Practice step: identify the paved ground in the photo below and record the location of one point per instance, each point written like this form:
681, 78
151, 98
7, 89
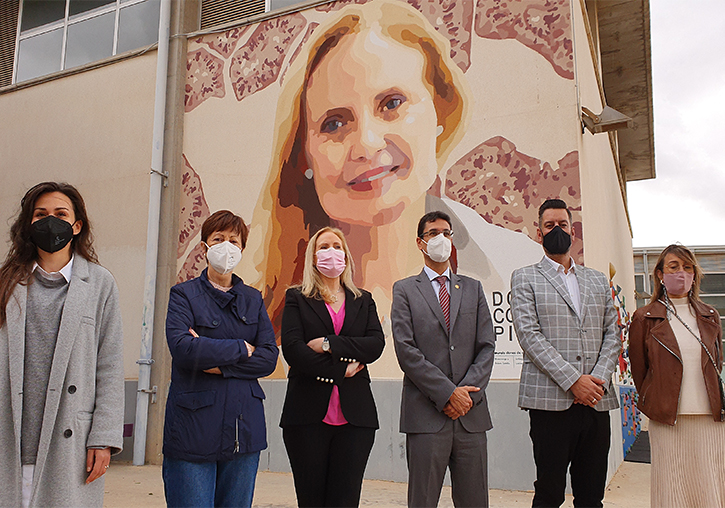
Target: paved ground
141, 486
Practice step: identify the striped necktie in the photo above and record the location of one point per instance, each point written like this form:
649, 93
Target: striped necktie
445, 299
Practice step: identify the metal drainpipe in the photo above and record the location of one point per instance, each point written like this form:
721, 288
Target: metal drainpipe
152, 240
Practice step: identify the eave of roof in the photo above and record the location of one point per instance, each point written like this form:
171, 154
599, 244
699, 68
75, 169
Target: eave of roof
626, 63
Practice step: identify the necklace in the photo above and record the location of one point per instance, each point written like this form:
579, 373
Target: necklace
333, 296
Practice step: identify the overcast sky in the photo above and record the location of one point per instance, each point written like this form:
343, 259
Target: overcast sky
686, 202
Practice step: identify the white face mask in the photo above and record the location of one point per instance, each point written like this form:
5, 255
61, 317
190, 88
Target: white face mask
223, 257
439, 248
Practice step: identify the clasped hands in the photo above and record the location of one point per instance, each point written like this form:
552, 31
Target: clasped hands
460, 402
352, 367
217, 370
588, 390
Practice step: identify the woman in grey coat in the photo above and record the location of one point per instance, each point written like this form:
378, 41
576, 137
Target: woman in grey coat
61, 357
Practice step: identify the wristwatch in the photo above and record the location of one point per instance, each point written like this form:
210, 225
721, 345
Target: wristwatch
326, 345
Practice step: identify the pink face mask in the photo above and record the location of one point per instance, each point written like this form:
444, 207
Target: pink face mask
331, 262
678, 283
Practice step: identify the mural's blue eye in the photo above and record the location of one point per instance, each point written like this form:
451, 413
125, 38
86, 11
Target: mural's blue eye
331, 125
392, 103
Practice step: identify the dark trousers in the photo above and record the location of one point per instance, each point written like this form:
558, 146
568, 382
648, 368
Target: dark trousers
578, 436
328, 462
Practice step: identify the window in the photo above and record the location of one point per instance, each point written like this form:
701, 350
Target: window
712, 291
639, 289
642, 292
62, 34
713, 283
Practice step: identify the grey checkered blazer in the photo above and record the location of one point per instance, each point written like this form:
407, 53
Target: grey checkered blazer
559, 345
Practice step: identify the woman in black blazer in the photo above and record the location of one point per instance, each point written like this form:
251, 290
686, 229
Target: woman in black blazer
330, 333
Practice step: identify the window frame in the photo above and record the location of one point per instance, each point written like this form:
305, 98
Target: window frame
114, 7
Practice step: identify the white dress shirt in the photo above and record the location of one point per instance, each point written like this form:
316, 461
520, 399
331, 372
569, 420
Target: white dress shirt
570, 282
63, 273
436, 285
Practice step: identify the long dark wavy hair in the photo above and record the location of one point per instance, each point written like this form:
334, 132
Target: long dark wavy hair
23, 252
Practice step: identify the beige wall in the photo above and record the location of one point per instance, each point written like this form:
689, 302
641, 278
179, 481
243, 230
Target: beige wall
607, 237
99, 137
523, 124
92, 130
606, 232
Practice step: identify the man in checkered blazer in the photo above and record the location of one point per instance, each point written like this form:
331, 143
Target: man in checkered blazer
566, 324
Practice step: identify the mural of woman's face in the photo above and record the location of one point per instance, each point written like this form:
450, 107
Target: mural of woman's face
371, 129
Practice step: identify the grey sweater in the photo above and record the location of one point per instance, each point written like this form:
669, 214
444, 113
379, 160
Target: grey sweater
45, 302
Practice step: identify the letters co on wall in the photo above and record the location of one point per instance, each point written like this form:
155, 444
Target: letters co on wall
365, 115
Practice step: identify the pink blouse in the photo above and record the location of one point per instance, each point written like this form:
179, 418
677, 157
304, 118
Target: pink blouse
334, 414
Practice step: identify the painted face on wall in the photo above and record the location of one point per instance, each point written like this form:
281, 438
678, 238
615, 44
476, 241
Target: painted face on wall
371, 129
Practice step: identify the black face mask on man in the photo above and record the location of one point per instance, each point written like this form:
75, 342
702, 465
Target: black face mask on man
51, 234
557, 241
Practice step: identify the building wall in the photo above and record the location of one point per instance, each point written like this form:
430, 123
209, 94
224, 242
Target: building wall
521, 145
93, 130
606, 230
510, 457
518, 89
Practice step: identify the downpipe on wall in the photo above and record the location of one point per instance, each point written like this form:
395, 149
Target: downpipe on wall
158, 177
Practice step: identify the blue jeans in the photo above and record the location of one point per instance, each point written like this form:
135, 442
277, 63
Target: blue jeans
209, 484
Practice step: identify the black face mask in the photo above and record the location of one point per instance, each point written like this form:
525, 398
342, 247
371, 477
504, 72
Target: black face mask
51, 234
557, 241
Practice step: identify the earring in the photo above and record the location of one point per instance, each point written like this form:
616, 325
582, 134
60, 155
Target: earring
309, 174
665, 293
439, 130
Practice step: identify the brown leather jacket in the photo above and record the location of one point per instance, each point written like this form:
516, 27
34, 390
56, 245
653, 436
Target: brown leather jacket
656, 361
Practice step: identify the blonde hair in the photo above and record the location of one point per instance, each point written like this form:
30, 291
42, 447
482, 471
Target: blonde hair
312, 285
291, 207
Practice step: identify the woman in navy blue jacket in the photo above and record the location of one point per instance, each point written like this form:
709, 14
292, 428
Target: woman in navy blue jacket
221, 341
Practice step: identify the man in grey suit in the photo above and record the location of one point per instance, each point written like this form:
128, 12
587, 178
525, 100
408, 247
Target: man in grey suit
566, 324
445, 344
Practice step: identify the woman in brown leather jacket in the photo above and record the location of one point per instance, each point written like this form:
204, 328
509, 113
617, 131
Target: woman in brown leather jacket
675, 349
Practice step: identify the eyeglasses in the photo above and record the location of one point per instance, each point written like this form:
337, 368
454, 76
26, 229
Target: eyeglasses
435, 232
